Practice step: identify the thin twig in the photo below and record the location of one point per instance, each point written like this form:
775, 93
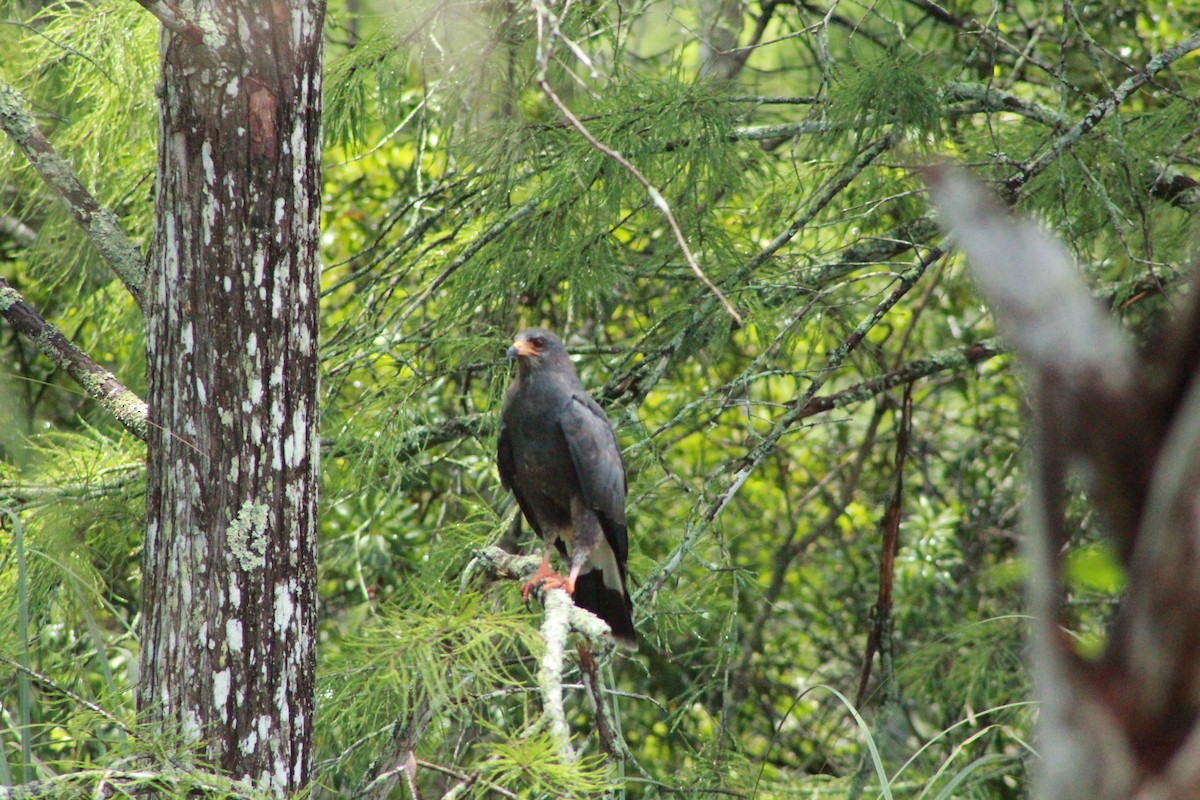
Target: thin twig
795, 412
656, 196
75, 696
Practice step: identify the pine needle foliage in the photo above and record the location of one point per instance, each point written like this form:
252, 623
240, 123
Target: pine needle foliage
90, 71
892, 88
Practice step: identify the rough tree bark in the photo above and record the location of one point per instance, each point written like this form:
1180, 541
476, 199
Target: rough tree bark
229, 563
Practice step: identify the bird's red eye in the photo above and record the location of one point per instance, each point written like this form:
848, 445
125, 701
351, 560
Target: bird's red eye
538, 342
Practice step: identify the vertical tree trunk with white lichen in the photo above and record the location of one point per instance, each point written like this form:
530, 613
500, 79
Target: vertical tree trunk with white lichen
229, 565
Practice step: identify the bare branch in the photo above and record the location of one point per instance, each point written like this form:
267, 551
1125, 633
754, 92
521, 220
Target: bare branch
98, 223
129, 409
656, 197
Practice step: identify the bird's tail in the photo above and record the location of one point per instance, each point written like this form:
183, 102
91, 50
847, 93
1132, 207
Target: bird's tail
609, 603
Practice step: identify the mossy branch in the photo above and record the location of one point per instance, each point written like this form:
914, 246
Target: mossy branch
99, 224
129, 409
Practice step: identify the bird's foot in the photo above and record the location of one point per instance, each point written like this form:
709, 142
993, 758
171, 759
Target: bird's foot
545, 578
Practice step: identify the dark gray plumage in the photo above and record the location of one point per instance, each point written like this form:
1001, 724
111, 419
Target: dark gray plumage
558, 454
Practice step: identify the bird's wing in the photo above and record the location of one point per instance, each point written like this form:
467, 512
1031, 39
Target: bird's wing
506, 463
598, 467
504, 458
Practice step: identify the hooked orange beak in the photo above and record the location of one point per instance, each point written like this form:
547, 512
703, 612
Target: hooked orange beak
521, 348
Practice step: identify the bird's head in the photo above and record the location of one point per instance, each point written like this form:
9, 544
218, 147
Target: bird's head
535, 348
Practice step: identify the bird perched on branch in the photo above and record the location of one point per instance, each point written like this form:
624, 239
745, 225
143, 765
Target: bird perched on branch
558, 454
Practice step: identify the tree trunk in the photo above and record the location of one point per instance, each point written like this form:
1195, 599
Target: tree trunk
229, 564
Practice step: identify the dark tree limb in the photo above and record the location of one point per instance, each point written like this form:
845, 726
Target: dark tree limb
129, 409
879, 637
589, 670
99, 224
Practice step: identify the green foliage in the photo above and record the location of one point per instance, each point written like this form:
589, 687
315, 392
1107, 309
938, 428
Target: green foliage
890, 88
461, 205
90, 72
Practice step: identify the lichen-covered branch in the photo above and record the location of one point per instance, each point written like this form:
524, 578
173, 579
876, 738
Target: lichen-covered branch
555, 626
511, 566
946, 361
1101, 110
100, 384
95, 783
126, 481
561, 617
99, 224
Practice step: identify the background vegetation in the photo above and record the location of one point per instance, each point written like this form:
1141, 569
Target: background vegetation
790, 646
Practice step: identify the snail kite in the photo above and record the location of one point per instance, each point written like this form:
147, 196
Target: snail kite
558, 454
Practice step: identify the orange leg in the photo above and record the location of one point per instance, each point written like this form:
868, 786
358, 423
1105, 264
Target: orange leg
545, 577
574, 576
